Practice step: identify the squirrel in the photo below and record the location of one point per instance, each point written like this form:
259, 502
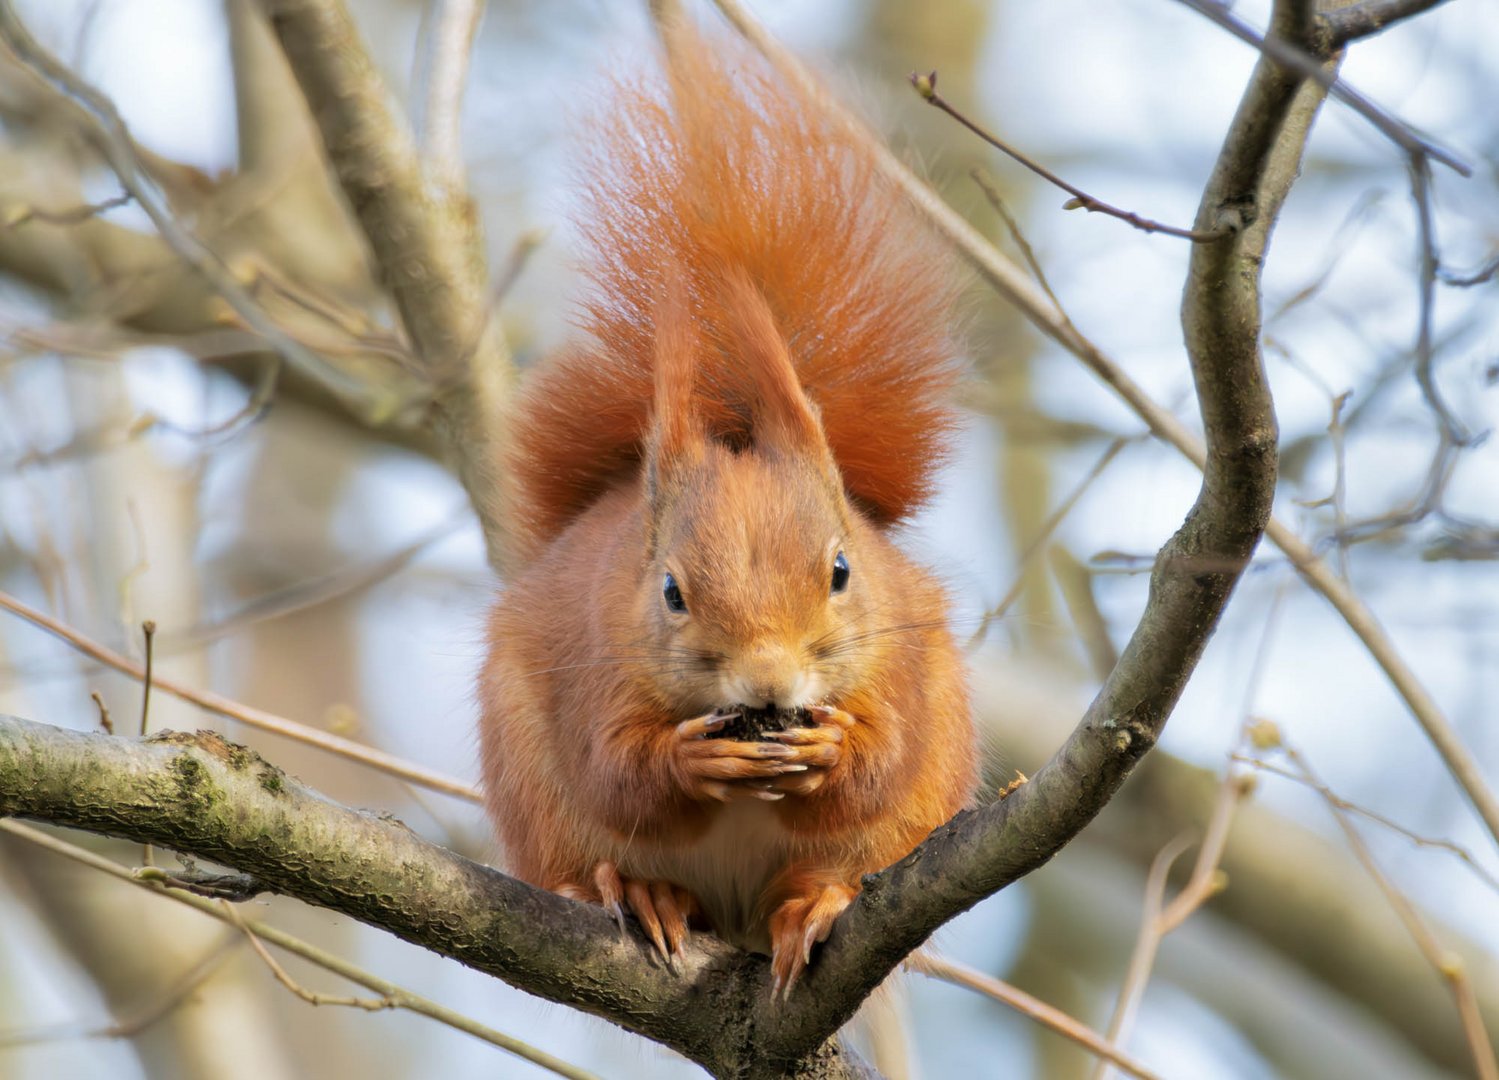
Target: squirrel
703, 496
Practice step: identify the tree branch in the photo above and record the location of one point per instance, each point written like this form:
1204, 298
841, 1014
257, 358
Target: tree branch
203, 796
106, 130
1369, 17
979, 853
428, 250
1007, 279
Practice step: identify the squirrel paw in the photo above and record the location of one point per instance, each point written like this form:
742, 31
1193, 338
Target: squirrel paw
661, 908
796, 926
709, 768
819, 748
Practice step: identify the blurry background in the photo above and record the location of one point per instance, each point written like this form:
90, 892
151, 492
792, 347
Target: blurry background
331, 572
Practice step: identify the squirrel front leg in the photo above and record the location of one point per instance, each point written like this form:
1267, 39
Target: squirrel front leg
643, 772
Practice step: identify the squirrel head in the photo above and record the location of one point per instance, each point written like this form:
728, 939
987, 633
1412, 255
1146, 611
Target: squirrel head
754, 589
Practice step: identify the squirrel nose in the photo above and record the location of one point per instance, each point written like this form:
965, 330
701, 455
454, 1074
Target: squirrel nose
767, 676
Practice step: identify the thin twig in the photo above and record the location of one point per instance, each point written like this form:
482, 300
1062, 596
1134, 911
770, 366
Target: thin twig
926, 86
163, 1006
1452, 430
1075, 582
20, 215
1048, 1016
148, 630
104, 721
1206, 879
312, 997
525, 246
1483, 274
1043, 536
232, 886
1447, 964
991, 193
1336, 800
1298, 62
1142, 957
402, 998
245, 714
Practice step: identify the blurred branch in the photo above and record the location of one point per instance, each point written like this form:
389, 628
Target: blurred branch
398, 996
21, 214
1038, 543
1336, 801
140, 1020
1009, 281
1483, 274
1301, 896
926, 87
1297, 59
1368, 17
428, 250
108, 133
451, 44
950, 971
245, 714
1075, 582
1447, 964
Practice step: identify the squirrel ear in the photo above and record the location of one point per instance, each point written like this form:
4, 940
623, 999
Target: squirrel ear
676, 436
784, 418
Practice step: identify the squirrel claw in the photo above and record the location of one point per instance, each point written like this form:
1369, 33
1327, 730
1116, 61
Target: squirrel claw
799, 924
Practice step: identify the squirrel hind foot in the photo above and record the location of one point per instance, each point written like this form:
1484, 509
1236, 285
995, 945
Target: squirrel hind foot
797, 925
663, 910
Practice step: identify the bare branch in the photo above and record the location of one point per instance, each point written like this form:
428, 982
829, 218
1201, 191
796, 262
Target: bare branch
1447, 964
428, 250
1369, 17
452, 39
143, 1018
939, 967
207, 797
926, 86
1009, 281
1038, 543
1483, 274
1299, 61
16, 216
245, 714
399, 996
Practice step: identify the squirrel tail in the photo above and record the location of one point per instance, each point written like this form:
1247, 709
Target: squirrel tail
719, 171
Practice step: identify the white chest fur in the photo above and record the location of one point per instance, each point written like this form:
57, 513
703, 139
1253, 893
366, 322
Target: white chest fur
727, 868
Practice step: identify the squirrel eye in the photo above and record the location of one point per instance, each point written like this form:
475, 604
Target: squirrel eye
840, 573
673, 595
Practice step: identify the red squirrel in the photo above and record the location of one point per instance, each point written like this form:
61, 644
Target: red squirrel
703, 495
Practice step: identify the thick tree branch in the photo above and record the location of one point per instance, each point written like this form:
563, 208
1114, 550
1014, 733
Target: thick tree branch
203, 796
427, 248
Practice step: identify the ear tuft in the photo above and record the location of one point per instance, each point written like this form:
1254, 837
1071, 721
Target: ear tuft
783, 418
677, 436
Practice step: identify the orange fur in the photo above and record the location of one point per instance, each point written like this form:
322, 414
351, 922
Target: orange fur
767, 391
718, 169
